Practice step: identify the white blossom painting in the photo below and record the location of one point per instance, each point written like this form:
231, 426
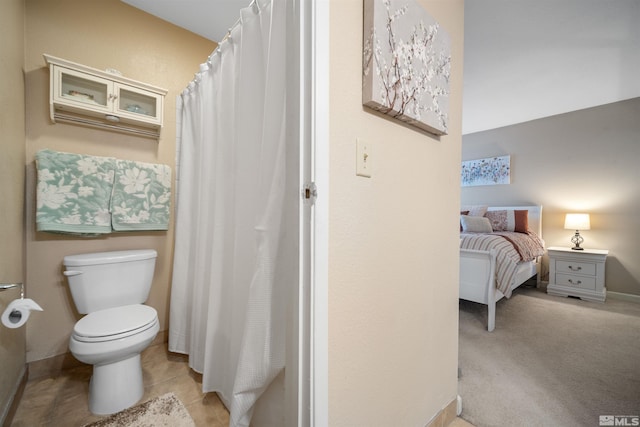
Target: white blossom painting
406, 64
489, 171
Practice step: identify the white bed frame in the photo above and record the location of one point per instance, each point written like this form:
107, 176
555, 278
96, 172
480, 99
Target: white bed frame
477, 269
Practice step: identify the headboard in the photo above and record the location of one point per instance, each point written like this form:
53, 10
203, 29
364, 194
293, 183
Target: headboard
535, 216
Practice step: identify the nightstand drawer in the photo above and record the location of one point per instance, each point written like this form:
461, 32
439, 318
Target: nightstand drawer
573, 267
583, 282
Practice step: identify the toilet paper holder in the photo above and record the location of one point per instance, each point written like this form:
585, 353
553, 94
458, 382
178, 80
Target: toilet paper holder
17, 311
7, 286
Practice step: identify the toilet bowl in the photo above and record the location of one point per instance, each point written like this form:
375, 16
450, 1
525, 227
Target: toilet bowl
110, 288
111, 340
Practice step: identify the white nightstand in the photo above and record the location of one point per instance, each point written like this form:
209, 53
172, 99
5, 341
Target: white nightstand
577, 273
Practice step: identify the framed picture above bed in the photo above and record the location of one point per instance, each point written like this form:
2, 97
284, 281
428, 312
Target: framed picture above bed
487, 171
406, 64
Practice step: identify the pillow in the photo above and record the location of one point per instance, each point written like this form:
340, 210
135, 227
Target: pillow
475, 210
463, 213
509, 220
475, 224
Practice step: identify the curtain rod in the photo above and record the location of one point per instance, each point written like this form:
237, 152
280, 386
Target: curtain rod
254, 3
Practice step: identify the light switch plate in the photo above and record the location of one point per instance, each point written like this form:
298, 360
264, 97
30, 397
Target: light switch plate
364, 165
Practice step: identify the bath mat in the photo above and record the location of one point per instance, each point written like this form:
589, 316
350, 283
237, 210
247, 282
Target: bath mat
165, 410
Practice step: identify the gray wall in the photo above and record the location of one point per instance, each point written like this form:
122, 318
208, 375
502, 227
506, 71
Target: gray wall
583, 161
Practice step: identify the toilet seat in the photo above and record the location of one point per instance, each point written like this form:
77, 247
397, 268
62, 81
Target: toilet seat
115, 323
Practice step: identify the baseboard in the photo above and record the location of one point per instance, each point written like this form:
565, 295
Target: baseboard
17, 396
624, 297
446, 415
52, 367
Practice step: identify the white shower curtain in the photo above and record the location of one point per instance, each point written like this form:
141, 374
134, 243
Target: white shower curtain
230, 273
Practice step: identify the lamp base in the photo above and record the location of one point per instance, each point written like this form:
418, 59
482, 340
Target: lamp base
576, 240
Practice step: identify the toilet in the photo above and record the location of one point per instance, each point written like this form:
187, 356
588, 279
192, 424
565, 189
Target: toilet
110, 288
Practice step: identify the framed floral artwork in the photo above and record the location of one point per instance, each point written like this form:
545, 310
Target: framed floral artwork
488, 171
406, 64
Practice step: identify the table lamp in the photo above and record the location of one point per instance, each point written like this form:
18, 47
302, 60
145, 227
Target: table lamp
577, 221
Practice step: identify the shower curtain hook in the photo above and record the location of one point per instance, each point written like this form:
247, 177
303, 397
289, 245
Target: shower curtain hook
212, 57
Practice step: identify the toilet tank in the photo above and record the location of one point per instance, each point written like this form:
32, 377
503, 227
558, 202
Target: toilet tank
109, 279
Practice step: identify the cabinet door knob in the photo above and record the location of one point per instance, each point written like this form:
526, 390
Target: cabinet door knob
575, 268
577, 282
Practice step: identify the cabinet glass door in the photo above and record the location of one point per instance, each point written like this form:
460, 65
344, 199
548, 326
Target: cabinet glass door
137, 103
78, 88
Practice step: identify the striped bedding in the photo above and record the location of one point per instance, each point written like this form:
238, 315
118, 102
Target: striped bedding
510, 247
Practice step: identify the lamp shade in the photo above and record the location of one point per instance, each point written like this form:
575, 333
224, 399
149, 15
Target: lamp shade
577, 221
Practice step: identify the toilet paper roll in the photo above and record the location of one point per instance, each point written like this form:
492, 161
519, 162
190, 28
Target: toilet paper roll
17, 312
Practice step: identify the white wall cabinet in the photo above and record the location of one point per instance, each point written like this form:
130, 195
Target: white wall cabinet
87, 96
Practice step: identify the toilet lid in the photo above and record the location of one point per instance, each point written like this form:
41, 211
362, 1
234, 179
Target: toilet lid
115, 323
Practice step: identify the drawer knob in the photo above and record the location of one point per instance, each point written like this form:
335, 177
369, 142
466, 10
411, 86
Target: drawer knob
572, 268
578, 282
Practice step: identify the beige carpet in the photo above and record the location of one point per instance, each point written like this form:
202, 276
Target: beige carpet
165, 410
551, 361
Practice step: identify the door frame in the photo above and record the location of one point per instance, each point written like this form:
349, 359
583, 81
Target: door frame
308, 374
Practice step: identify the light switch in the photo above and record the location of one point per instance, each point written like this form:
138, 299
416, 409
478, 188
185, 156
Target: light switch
363, 158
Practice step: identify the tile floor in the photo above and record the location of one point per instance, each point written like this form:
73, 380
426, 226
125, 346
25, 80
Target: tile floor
459, 422
62, 401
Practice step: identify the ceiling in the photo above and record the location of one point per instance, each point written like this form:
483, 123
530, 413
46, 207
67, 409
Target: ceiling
528, 59
523, 59
210, 19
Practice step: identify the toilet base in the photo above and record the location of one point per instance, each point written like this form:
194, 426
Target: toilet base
116, 386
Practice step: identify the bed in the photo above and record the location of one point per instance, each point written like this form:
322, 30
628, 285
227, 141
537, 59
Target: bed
479, 281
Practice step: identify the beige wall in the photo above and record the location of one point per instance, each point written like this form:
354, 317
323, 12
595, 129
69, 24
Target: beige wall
587, 161
12, 341
393, 245
104, 34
